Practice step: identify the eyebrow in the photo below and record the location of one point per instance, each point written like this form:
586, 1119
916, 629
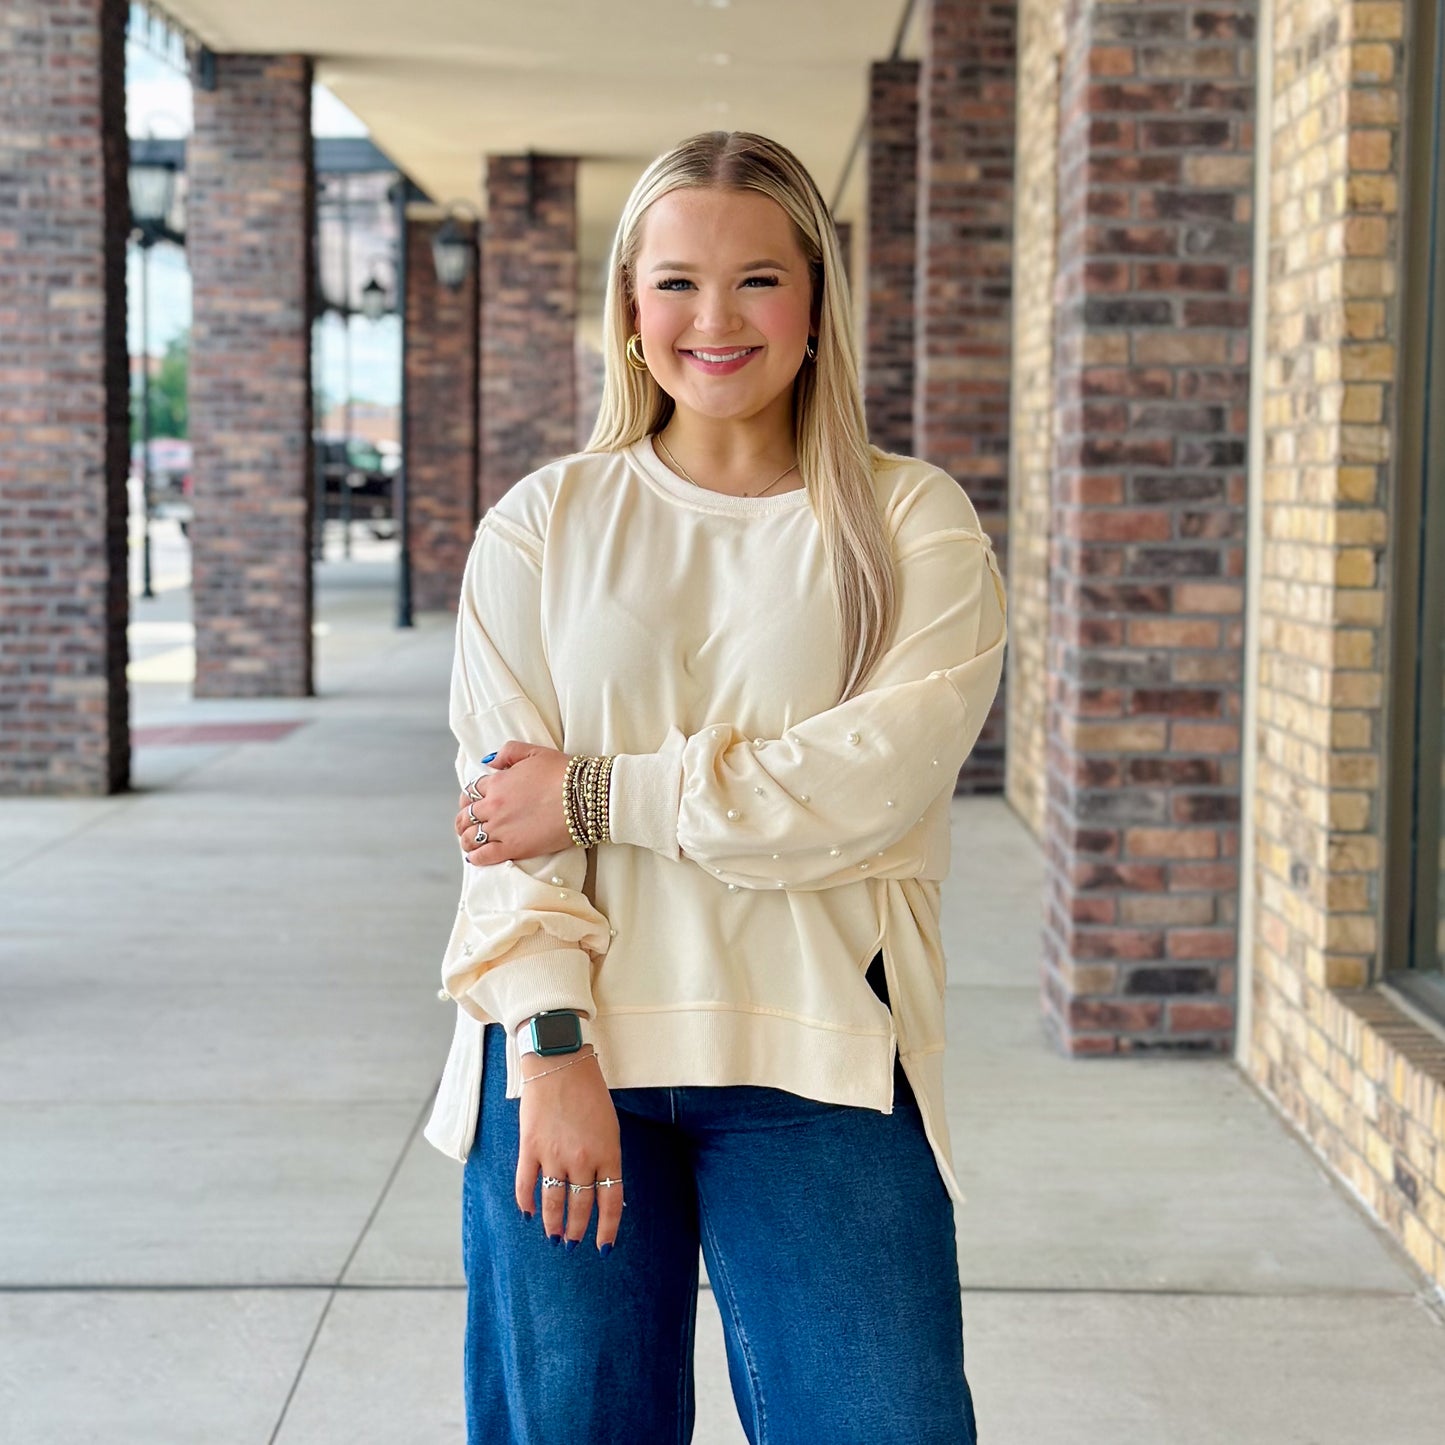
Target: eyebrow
751, 266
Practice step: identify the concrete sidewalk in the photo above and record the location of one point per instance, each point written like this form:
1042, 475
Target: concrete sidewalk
219, 1033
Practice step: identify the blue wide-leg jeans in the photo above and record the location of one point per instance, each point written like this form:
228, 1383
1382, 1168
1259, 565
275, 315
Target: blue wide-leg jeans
829, 1242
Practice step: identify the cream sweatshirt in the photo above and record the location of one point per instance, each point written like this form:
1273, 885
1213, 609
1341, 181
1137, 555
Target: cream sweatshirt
765, 841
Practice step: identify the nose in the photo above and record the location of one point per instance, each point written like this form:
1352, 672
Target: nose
717, 314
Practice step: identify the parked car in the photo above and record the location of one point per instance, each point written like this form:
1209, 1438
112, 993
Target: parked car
356, 478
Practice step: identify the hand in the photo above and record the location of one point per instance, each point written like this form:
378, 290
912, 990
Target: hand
521, 807
569, 1131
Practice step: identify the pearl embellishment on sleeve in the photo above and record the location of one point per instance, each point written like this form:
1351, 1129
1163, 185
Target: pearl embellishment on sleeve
556, 879
733, 813
853, 738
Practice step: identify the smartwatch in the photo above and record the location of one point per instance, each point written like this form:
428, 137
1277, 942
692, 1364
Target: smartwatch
557, 1031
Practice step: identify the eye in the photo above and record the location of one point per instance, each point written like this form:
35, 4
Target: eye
671, 282
761, 280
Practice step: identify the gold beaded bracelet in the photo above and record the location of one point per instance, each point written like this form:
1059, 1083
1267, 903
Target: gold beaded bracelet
586, 795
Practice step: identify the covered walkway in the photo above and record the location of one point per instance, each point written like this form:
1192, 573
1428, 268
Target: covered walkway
219, 1034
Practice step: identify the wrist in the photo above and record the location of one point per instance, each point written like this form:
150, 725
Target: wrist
586, 791
535, 1065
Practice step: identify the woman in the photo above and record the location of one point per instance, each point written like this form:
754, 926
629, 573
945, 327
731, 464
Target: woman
714, 679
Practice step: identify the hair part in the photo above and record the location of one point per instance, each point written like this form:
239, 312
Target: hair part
829, 427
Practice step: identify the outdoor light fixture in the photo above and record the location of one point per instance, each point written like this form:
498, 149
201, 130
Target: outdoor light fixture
373, 300
152, 193
452, 248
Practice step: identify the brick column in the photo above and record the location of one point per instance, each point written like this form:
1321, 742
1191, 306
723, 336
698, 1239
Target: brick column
529, 317
965, 227
64, 598
251, 218
1147, 557
892, 253
1031, 402
441, 431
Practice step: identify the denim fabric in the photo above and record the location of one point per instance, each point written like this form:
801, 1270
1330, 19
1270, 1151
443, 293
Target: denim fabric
829, 1242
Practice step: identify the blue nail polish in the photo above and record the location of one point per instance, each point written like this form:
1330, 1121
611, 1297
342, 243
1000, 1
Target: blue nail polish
525, 1213
554, 1239
490, 756
604, 1250
571, 1245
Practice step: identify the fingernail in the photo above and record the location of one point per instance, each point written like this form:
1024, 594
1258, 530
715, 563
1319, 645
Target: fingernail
525, 1213
571, 1245
489, 757
554, 1239
604, 1250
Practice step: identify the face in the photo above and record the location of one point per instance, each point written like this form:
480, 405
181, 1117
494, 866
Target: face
723, 301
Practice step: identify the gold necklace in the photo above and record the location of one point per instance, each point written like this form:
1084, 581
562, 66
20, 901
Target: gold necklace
701, 488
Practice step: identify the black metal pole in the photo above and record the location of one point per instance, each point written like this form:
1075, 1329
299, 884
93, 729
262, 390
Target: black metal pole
145, 419
398, 485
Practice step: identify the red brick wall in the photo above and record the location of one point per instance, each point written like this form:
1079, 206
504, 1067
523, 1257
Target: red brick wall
529, 318
441, 431
251, 207
1147, 556
64, 596
965, 229
892, 252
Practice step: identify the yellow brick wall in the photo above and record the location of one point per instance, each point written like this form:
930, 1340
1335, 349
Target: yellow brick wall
1361, 1082
1031, 404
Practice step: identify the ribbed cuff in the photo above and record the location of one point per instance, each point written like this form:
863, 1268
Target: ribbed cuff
526, 983
646, 798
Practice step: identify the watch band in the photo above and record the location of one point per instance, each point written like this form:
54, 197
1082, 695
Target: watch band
526, 1039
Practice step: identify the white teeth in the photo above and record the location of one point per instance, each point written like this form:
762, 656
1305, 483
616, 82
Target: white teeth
721, 355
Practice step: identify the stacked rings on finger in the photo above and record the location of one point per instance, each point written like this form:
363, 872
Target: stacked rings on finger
471, 791
548, 1182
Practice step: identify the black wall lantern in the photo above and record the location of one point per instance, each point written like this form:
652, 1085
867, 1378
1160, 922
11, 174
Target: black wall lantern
452, 248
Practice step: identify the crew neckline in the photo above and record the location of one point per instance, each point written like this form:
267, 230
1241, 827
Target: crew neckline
664, 479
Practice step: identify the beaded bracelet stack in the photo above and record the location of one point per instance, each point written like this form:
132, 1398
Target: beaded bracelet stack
586, 791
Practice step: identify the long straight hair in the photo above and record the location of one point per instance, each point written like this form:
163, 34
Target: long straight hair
829, 427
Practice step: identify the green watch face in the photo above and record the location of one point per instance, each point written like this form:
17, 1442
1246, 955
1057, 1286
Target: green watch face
557, 1033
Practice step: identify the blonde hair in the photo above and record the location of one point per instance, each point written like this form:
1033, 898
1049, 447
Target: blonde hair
830, 431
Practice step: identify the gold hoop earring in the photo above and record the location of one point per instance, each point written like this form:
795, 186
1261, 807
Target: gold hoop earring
635, 359
811, 349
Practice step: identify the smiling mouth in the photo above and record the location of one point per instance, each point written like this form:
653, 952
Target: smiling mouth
734, 355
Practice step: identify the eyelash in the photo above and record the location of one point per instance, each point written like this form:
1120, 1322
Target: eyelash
669, 282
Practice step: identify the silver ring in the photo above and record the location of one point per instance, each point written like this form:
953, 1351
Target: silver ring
471, 791
580, 1188
481, 836
606, 1183
548, 1182
473, 816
